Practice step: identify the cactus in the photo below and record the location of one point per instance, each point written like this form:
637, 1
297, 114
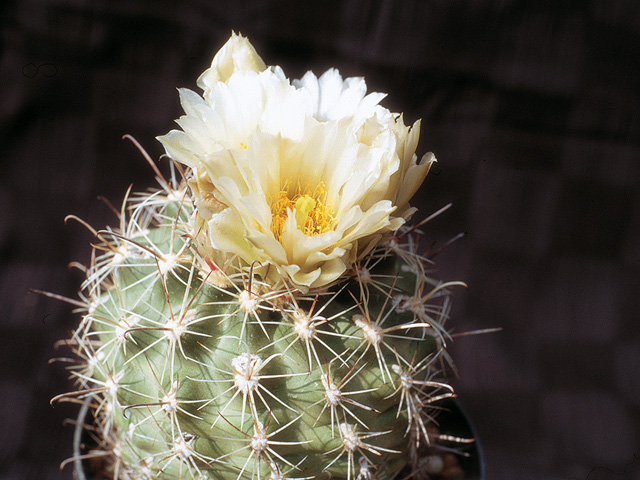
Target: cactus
200, 363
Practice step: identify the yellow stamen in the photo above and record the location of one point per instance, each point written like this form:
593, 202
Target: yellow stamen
313, 213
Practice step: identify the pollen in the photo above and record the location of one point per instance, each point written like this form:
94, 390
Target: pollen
313, 212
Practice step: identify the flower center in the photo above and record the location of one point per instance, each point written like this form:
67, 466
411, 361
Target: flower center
313, 213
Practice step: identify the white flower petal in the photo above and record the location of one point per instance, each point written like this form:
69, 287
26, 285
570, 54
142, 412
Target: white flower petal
182, 148
413, 177
334, 99
237, 55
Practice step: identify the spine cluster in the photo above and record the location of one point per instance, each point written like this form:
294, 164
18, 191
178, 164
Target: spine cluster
194, 372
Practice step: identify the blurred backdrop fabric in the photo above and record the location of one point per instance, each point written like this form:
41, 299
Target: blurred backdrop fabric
532, 108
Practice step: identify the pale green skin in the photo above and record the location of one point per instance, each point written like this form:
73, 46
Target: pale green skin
142, 355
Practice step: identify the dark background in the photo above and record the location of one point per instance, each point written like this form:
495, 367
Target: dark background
532, 108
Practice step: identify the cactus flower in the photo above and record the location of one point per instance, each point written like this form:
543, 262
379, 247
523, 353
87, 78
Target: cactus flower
304, 177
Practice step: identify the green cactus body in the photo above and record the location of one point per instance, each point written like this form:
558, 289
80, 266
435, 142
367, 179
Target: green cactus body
259, 319
195, 375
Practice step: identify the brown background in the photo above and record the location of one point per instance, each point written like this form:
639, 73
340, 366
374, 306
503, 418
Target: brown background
533, 109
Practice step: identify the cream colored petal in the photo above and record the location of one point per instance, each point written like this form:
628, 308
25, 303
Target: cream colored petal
411, 135
227, 233
285, 112
300, 279
290, 235
199, 134
334, 98
240, 102
308, 251
336, 260
241, 172
370, 129
305, 244
379, 181
325, 155
229, 180
200, 122
374, 220
326, 272
330, 272
407, 140
273, 251
191, 102
348, 220
264, 155
237, 55
255, 205
413, 178
369, 179
182, 148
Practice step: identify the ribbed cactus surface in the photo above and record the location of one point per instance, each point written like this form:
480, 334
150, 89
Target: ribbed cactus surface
195, 375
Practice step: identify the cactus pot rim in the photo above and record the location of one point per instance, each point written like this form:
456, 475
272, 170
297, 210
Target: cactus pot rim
454, 417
